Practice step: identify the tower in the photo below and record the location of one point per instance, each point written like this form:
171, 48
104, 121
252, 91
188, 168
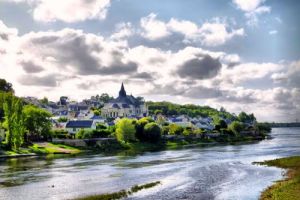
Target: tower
122, 92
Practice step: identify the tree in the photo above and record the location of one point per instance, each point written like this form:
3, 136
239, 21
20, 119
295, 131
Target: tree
97, 112
37, 122
14, 121
44, 101
175, 129
62, 119
243, 117
125, 131
105, 98
152, 132
6, 86
236, 127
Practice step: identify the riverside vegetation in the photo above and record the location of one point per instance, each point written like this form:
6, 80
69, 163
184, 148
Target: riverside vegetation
26, 124
289, 188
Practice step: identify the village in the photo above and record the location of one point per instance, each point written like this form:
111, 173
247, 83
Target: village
70, 117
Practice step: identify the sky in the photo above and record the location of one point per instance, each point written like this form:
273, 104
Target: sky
239, 54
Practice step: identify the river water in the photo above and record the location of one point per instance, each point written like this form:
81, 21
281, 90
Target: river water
214, 172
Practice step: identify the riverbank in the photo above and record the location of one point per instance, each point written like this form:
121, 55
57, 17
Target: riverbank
289, 188
44, 148
111, 147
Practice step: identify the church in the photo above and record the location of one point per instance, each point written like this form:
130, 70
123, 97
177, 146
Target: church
124, 106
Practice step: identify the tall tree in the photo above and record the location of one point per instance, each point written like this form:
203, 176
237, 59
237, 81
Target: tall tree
18, 124
6, 86
14, 121
37, 122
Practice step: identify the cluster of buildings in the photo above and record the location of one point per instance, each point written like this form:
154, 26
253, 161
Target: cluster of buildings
73, 116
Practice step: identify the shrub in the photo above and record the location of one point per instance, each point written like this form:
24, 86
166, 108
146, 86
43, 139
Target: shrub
125, 131
236, 127
152, 132
175, 129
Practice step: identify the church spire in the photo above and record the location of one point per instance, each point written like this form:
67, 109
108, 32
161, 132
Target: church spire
122, 92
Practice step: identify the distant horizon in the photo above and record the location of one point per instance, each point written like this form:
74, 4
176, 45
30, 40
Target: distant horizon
237, 54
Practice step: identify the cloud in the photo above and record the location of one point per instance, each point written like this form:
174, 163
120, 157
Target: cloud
67, 10
203, 67
273, 32
77, 52
47, 81
213, 33
252, 9
31, 67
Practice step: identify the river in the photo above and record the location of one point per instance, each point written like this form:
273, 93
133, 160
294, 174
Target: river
214, 172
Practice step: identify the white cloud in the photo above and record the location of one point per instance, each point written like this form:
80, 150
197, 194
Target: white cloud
252, 9
273, 32
67, 10
153, 28
213, 33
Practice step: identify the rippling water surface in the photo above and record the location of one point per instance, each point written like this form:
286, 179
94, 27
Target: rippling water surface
216, 172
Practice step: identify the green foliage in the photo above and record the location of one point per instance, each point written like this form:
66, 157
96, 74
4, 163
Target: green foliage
175, 129
167, 108
37, 122
6, 86
244, 117
289, 188
125, 131
62, 119
105, 98
97, 112
14, 121
187, 131
152, 132
44, 101
236, 127
79, 134
61, 134
139, 125
263, 127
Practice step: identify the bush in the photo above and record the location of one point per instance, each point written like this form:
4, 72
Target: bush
175, 129
125, 131
152, 132
187, 131
236, 127
61, 134
62, 119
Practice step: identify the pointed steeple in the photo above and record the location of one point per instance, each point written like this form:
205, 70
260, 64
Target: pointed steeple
122, 92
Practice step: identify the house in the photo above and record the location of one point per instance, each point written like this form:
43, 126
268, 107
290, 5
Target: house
124, 106
97, 119
74, 126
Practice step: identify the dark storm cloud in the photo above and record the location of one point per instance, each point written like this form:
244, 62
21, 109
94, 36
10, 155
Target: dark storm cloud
31, 67
47, 81
200, 68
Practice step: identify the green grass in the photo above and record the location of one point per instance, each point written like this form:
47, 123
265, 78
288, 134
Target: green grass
121, 194
288, 189
50, 148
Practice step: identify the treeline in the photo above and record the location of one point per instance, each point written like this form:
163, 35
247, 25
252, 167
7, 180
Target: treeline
170, 109
22, 123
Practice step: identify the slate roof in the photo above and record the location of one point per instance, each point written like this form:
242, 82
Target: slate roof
79, 124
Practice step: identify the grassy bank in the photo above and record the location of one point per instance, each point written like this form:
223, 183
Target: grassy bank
41, 149
121, 194
289, 188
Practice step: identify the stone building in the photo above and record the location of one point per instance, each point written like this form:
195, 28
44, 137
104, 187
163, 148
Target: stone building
124, 106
